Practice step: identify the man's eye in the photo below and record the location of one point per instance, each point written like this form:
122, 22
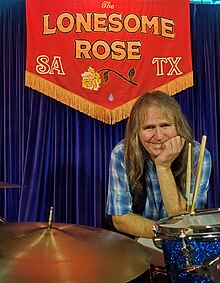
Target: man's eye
166, 125
149, 127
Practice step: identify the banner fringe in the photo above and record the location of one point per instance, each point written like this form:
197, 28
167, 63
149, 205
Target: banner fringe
93, 110
177, 85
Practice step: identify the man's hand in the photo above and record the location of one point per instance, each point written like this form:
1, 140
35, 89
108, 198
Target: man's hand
171, 149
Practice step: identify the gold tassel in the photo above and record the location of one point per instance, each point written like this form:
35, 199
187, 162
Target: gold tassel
178, 84
93, 110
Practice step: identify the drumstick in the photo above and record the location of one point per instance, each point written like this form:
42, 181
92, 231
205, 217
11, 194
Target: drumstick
198, 173
188, 176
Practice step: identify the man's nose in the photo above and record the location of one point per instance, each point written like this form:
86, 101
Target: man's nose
158, 133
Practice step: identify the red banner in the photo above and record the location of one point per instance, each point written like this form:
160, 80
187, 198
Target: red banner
100, 56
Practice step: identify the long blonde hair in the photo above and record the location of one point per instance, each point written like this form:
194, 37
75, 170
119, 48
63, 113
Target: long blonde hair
135, 152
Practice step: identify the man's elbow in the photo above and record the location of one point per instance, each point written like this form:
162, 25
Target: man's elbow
118, 221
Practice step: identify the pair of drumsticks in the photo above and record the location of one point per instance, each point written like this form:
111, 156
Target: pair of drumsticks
198, 174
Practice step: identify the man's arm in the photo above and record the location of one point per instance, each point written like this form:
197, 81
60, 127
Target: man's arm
173, 200
134, 224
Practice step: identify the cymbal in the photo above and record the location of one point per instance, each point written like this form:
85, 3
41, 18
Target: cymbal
10, 185
29, 252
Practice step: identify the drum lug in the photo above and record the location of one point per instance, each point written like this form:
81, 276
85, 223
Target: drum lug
187, 251
209, 269
157, 241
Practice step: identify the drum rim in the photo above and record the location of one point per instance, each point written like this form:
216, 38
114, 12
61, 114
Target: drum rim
196, 232
193, 235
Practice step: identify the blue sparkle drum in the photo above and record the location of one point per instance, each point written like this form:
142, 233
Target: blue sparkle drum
191, 246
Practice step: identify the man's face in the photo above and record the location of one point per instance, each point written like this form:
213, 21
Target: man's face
157, 128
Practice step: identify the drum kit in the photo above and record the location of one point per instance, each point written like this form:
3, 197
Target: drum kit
191, 246
186, 248
67, 253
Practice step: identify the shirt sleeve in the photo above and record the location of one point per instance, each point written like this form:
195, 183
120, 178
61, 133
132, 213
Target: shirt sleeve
119, 197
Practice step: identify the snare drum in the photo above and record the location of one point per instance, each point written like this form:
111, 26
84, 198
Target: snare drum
191, 246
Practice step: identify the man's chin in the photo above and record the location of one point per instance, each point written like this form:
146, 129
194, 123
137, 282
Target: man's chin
156, 153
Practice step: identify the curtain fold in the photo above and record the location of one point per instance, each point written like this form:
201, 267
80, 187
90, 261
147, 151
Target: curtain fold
62, 155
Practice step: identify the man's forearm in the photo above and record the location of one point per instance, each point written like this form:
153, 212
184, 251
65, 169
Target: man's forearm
173, 200
134, 224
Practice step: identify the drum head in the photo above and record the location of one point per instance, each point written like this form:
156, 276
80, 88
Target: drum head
200, 222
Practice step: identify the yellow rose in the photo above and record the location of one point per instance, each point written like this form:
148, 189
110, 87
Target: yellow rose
91, 79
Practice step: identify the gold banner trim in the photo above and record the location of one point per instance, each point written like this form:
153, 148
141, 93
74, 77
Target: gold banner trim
93, 110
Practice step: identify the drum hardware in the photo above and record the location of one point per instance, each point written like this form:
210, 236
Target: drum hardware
4, 185
49, 224
10, 185
187, 250
209, 269
158, 272
157, 241
3, 220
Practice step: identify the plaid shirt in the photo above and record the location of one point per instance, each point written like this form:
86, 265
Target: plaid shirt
119, 200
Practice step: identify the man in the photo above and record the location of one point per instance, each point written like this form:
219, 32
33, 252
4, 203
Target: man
147, 172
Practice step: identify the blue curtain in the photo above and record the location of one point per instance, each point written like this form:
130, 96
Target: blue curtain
62, 155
